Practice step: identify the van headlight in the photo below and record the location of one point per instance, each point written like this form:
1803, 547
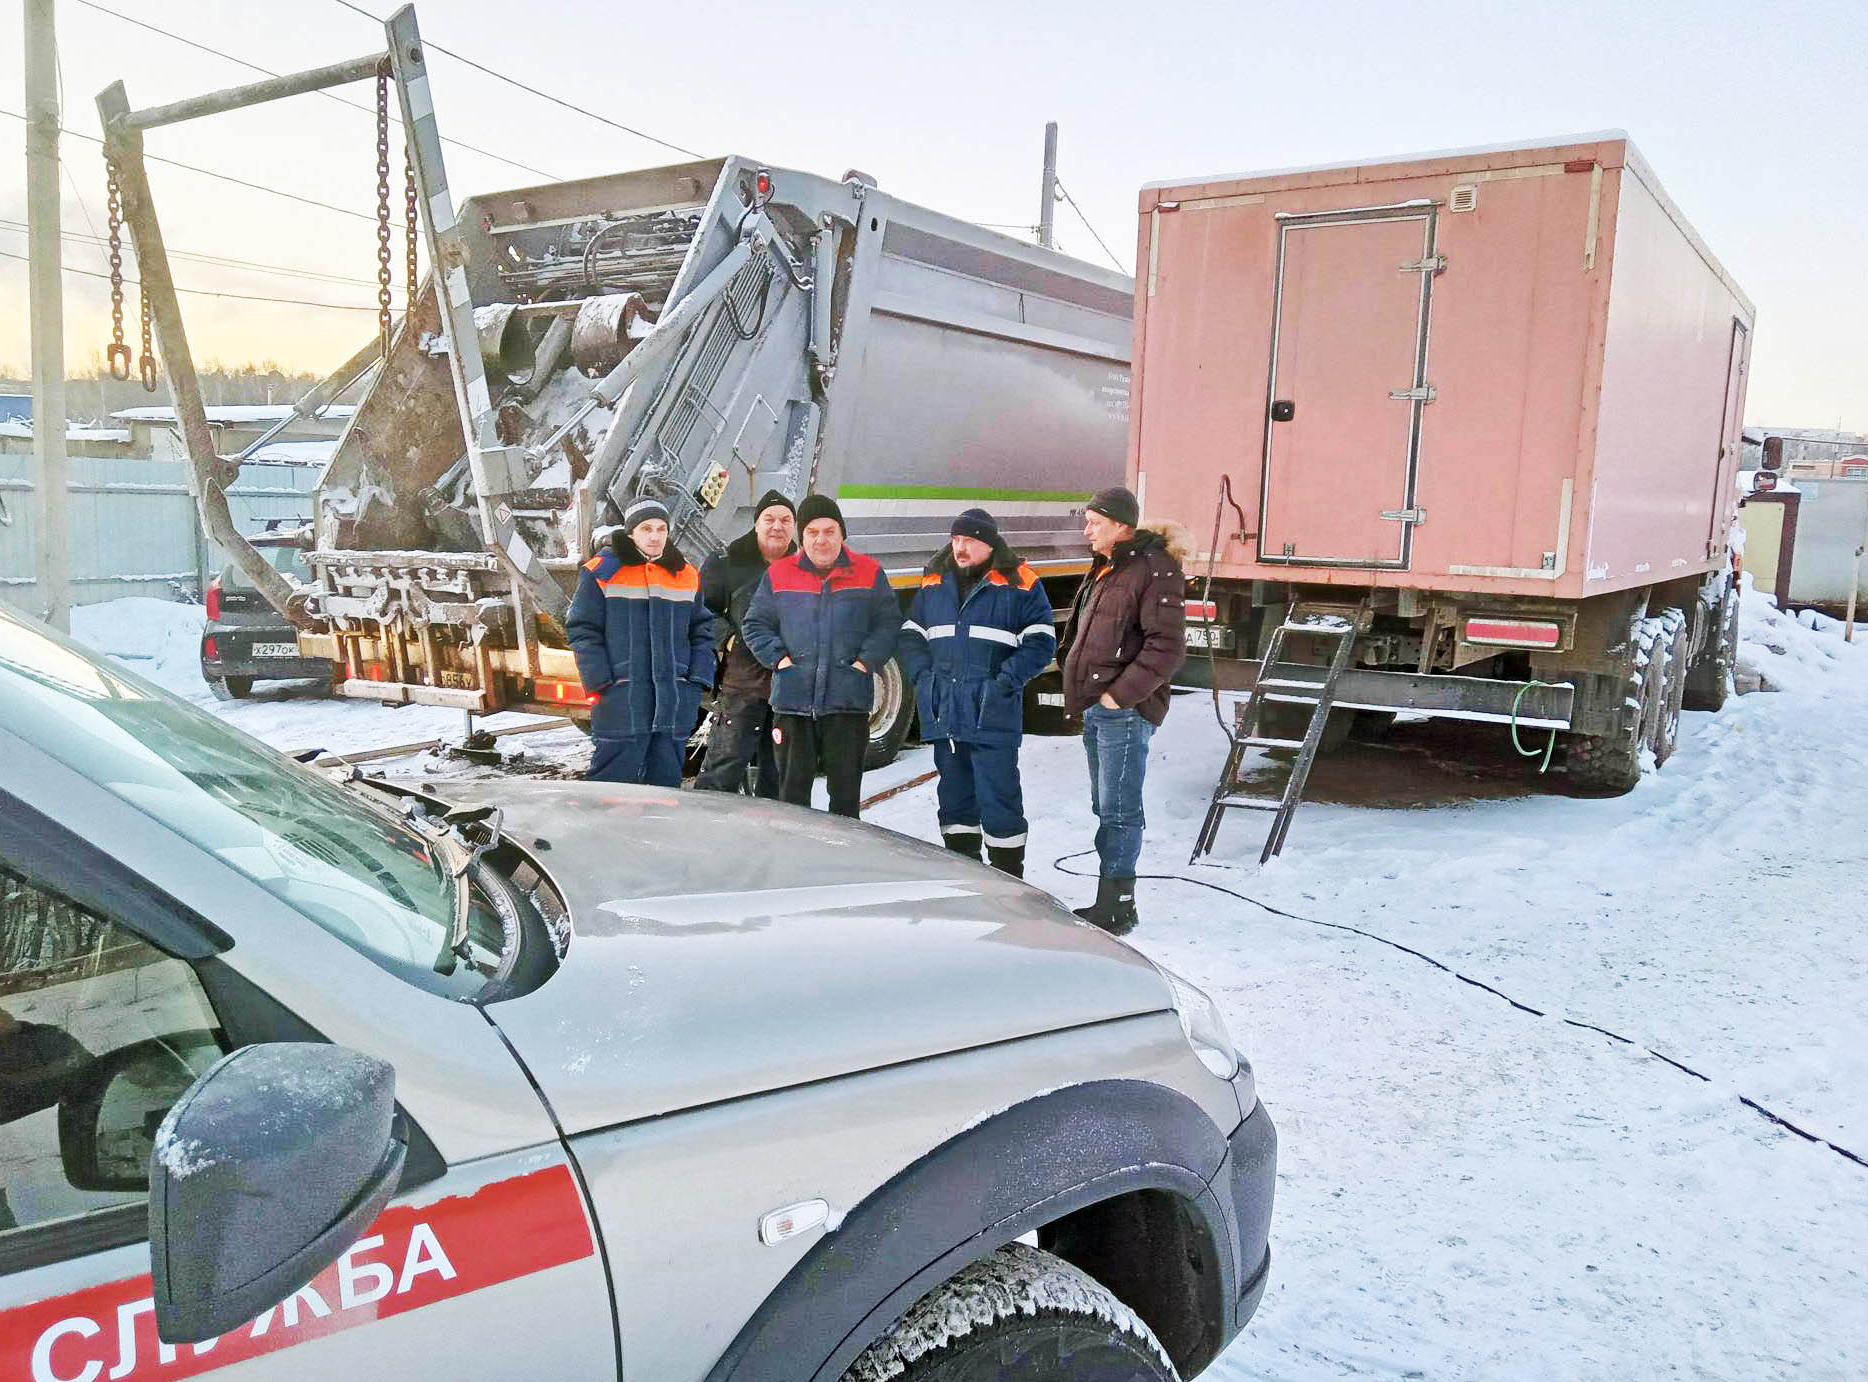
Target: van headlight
1205, 1029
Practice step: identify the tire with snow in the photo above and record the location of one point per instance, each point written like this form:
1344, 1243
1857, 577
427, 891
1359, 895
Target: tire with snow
230, 688
1611, 763
1667, 672
1022, 1315
1709, 679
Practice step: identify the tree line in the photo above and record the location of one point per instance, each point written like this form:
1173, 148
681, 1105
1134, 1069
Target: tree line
91, 394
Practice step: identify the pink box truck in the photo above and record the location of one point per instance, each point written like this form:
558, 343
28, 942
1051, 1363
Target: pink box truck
1492, 398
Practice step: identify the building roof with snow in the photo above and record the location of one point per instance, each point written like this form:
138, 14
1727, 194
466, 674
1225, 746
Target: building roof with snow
236, 412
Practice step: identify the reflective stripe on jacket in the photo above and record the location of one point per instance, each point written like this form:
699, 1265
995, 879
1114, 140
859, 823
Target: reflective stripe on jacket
970, 656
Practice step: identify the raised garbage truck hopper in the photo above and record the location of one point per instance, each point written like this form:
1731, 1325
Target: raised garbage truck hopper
703, 333
1487, 400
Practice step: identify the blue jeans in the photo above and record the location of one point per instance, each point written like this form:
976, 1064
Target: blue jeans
650, 759
1116, 743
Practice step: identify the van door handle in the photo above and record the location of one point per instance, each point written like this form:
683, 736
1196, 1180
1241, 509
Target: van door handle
1283, 409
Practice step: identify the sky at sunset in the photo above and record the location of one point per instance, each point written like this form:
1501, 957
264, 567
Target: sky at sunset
1741, 109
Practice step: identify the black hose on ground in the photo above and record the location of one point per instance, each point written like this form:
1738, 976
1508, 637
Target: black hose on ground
1750, 1103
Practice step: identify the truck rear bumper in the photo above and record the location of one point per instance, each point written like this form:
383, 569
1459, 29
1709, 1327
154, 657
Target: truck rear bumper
1534, 705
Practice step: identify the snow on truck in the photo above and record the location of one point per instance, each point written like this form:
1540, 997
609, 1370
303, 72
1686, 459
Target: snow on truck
700, 333
1483, 408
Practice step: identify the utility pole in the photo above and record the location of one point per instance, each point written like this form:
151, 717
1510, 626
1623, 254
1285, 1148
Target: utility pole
52, 565
1047, 200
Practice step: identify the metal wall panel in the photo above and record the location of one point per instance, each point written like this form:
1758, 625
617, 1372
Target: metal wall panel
134, 530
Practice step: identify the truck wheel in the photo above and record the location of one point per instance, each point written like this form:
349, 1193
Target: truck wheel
1611, 763
1282, 720
1709, 679
1667, 675
889, 716
230, 688
1022, 1315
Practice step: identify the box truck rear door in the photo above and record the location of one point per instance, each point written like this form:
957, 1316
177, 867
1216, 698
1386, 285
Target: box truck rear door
1349, 346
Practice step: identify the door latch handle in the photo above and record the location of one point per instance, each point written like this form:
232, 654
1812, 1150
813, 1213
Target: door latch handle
1283, 409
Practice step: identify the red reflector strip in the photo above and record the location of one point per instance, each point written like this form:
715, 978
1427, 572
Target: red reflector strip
208, 647
1202, 609
563, 692
1514, 633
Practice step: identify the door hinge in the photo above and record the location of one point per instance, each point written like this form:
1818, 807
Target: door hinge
1432, 264
1426, 393
1414, 516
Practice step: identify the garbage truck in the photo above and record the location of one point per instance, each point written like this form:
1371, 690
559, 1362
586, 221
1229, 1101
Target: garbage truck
700, 333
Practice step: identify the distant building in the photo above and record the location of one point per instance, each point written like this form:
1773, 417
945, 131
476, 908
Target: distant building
154, 432
15, 407
1811, 453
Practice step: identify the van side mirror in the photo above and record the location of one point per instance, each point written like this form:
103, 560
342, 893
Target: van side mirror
108, 1114
264, 1172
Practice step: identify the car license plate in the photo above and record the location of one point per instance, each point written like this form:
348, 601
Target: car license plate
275, 650
1206, 636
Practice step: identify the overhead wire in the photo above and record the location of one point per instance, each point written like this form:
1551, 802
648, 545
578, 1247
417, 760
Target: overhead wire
209, 172
211, 292
215, 260
542, 95
328, 95
1092, 229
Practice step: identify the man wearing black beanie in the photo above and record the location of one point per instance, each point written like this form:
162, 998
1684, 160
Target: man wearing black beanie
825, 620
741, 729
980, 628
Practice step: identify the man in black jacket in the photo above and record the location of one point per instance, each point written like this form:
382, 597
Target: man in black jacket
742, 717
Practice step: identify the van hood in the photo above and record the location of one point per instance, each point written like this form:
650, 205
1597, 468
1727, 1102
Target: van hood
723, 946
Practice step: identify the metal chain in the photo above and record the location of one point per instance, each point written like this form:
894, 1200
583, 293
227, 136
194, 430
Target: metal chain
118, 355
408, 210
146, 366
382, 202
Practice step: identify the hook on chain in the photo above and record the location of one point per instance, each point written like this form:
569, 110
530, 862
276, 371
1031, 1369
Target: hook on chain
117, 354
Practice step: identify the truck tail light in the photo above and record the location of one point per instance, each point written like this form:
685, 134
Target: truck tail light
562, 693
1203, 610
214, 598
1513, 633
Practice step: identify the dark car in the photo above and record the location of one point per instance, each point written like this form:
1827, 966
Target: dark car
246, 639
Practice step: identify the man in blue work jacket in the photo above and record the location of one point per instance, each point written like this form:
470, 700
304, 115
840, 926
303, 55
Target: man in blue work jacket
980, 627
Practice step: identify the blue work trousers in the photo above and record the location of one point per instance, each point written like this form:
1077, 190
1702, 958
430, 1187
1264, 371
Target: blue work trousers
980, 793
653, 760
1116, 743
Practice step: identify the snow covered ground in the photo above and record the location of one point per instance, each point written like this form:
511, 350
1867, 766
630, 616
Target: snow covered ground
1468, 1188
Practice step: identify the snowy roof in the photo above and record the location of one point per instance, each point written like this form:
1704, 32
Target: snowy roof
234, 412
1514, 146
74, 431
298, 452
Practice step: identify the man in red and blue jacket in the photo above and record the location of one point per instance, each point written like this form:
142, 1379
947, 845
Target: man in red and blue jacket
980, 627
825, 621
645, 651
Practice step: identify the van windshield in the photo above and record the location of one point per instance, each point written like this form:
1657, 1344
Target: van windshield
356, 870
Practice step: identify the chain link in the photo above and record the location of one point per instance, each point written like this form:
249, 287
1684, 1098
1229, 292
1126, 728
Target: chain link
118, 355
411, 230
383, 275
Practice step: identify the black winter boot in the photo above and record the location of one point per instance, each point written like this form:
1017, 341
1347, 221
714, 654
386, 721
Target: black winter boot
1007, 859
1114, 908
964, 842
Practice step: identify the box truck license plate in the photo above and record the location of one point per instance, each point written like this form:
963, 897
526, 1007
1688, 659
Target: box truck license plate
275, 650
1221, 640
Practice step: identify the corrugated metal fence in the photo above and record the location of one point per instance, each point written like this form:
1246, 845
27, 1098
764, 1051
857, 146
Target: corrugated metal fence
134, 530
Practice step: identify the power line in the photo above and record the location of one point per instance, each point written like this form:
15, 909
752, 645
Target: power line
543, 95
328, 95
1087, 226
217, 260
209, 292
210, 173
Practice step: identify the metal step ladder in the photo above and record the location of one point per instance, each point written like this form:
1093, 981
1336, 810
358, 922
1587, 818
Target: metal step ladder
1306, 619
